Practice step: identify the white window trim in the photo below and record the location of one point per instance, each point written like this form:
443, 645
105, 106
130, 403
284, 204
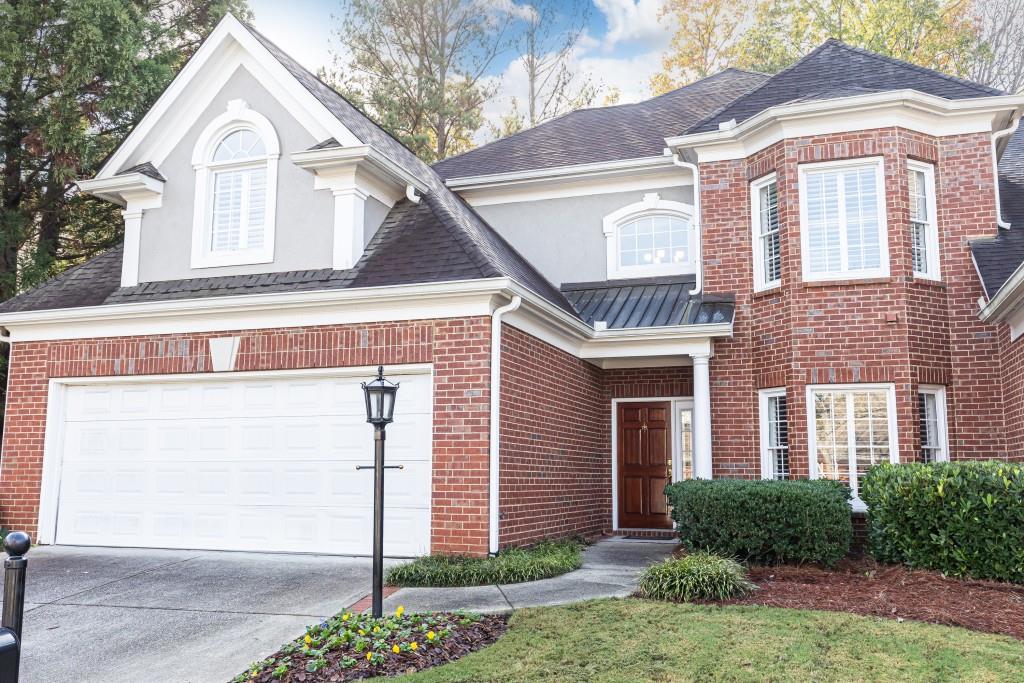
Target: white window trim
812, 447
767, 461
883, 225
238, 115
939, 392
760, 284
932, 228
652, 204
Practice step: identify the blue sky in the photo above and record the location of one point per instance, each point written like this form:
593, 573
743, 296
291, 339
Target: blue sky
621, 48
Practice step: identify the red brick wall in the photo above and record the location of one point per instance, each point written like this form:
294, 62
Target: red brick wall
896, 329
554, 443
1013, 395
458, 348
556, 436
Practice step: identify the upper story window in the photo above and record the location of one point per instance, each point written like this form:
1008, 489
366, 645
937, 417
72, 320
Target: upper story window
843, 224
924, 230
651, 237
235, 160
764, 199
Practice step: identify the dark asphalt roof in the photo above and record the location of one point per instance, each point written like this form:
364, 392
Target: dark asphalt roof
626, 131
145, 168
440, 239
647, 302
835, 69
997, 258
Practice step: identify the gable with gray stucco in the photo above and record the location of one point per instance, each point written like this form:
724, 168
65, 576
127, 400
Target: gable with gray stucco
564, 237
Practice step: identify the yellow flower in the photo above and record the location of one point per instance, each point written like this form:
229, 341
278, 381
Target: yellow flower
307, 639
362, 632
376, 629
413, 645
396, 649
399, 611
369, 655
431, 635
344, 617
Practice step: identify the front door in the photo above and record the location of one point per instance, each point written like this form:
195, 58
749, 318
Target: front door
644, 464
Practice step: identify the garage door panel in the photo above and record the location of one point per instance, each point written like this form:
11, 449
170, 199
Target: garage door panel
241, 465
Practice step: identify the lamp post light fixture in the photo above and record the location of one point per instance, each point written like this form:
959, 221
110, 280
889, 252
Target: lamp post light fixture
380, 408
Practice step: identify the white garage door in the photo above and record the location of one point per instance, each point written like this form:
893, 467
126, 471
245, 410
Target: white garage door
263, 464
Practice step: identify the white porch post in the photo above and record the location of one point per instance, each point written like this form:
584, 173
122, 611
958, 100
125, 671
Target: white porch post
701, 416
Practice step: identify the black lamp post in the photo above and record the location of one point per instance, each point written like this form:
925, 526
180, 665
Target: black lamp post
380, 407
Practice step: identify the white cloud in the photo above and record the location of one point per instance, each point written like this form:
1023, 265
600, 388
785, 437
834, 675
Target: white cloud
632, 21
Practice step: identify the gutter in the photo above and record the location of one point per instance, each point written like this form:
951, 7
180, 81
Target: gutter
677, 160
570, 172
494, 474
996, 137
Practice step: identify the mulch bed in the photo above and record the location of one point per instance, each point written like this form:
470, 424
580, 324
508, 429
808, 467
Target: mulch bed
344, 663
862, 586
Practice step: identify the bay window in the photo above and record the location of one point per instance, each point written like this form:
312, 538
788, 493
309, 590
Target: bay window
851, 428
842, 219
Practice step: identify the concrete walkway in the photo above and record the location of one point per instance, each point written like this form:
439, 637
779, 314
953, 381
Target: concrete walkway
610, 569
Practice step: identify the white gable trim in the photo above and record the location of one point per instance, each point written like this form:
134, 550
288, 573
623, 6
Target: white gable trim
229, 46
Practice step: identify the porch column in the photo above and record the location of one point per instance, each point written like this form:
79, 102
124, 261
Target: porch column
701, 416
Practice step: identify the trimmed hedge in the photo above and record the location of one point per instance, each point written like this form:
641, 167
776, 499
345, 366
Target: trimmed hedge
959, 518
764, 521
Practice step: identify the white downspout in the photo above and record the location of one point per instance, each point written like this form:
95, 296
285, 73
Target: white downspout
678, 161
495, 420
996, 137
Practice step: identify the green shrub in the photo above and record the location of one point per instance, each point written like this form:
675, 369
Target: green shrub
512, 565
960, 518
764, 521
697, 576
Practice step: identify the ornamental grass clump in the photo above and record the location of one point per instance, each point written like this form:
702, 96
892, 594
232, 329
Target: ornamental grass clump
695, 577
512, 565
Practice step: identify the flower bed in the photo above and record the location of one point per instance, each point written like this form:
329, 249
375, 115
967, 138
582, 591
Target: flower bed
355, 646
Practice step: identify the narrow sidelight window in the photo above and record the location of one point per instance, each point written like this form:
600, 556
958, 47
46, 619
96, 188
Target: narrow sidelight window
774, 434
924, 233
767, 241
931, 405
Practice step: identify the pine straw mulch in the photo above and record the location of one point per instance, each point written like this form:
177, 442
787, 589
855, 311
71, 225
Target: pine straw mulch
863, 586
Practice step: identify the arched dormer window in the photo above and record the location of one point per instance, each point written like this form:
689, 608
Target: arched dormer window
651, 237
235, 160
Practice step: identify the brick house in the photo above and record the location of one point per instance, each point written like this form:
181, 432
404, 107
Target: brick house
795, 275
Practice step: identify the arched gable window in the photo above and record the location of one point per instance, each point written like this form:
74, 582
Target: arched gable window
651, 237
235, 160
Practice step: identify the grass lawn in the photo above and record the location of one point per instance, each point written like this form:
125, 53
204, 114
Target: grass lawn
639, 640
513, 565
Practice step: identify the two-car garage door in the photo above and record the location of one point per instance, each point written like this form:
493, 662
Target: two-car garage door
258, 463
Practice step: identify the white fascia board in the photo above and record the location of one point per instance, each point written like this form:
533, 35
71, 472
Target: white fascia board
228, 46
1008, 299
120, 189
337, 159
466, 298
904, 108
561, 173
259, 311
627, 181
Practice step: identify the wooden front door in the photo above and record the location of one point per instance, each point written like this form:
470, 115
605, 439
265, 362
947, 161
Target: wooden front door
644, 464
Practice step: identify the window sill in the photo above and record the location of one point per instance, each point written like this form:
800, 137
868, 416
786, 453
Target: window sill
851, 282
231, 260
929, 281
767, 292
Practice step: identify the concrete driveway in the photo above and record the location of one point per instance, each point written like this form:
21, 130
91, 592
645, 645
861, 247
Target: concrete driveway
119, 615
